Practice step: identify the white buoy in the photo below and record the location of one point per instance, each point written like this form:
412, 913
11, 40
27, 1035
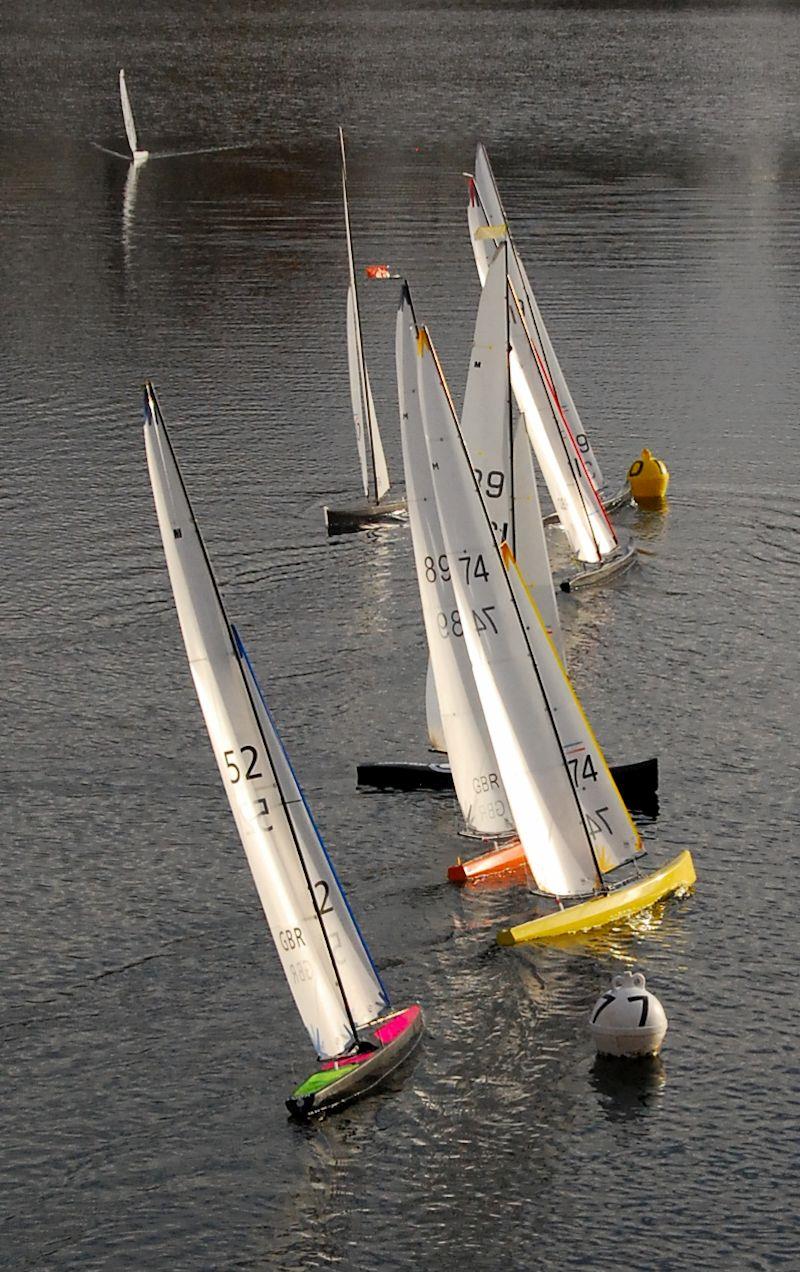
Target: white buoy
628, 1020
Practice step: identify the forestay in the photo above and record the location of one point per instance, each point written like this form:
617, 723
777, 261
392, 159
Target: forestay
325, 960
374, 473
499, 447
485, 209
547, 809
481, 795
574, 497
615, 839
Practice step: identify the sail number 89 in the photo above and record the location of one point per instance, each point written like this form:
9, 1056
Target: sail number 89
450, 624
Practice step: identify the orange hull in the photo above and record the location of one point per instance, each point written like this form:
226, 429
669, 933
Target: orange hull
510, 857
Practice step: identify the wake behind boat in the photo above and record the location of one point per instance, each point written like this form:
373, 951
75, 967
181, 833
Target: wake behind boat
338, 992
374, 473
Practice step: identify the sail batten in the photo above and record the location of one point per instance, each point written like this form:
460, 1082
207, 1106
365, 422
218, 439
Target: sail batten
324, 957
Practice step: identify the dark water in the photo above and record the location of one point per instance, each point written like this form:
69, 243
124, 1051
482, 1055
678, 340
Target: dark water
650, 162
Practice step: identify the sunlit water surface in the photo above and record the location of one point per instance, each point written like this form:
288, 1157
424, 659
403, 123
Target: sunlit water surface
650, 163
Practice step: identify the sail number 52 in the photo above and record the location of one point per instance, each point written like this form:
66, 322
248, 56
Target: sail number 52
245, 766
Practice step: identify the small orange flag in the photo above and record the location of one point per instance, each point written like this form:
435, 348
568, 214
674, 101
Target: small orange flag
377, 271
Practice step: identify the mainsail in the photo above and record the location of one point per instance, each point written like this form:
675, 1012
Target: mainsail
479, 788
331, 975
488, 225
572, 829
574, 496
127, 114
499, 447
374, 473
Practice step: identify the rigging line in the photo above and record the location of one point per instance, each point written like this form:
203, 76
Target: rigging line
543, 351
544, 381
362, 365
565, 422
499, 556
510, 241
509, 400
544, 369
155, 414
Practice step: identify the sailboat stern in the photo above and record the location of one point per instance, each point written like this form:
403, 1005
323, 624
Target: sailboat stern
388, 1043
622, 558
501, 860
363, 516
677, 875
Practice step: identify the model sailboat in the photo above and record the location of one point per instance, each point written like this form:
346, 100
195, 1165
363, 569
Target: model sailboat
559, 440
503, 464
138, 156
340, 997
374, 473
479, 788
574, 828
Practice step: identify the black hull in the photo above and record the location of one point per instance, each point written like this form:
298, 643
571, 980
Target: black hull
637, 783
363, 517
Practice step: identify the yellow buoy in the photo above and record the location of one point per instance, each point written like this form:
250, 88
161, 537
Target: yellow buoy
648, 479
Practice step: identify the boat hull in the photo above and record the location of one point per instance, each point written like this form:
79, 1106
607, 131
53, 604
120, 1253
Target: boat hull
622, 559
677, 875
363, 516
637, 782
340, 1082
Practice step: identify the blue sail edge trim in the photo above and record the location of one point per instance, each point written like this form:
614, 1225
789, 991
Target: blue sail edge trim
244, 656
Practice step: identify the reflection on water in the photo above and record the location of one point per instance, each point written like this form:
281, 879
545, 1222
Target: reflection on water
628, 1089
657, 212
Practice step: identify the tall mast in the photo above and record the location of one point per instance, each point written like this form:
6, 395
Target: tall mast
152, 408
362, 366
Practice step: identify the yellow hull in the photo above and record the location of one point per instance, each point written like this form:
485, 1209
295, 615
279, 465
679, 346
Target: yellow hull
676, 874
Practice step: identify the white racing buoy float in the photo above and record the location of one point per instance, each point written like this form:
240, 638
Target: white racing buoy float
628, 1020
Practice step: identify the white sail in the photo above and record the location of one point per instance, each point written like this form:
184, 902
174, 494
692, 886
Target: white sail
433, 716
486, 209
326, 963
479, 788
500, 449
127, 114
615, 839
357, 397
374, 471
574, 496
549, 817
